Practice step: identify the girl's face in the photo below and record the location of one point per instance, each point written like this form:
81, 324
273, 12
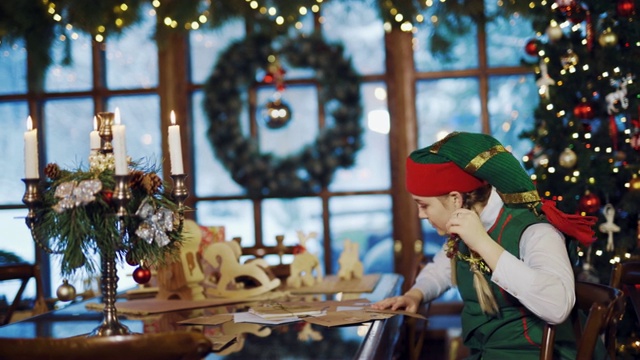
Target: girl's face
437, 209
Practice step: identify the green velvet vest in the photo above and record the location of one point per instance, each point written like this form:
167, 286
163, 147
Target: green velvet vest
513, 333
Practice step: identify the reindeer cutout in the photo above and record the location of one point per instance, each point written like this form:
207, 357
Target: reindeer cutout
304, 265
619, 96
350, 264
224, 257
240, 330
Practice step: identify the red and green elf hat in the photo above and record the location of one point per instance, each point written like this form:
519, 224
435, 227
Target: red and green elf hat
465, 161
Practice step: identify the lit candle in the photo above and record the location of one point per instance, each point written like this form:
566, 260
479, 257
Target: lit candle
119, 145
175, 146
31, 151
94, 136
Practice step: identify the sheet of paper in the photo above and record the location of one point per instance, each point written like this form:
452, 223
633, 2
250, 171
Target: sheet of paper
397, 312
247, 317
221, 341
216, 319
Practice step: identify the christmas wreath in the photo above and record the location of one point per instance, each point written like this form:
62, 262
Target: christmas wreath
263, 174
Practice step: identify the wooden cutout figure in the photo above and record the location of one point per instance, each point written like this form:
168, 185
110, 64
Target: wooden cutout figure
308, 333
240, 330
183, 279
225, 257
350, 264
304, 265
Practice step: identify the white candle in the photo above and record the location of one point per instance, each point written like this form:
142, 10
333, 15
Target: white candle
119, 145
175, 147
31, 151
94, 136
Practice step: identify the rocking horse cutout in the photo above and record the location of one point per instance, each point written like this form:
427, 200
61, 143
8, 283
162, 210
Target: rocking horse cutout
224, 258
304, 265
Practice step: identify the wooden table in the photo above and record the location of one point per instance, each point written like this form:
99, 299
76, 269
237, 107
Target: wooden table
373, 340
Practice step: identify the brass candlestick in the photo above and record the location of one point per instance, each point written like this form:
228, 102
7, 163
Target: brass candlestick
179, 194
121, 194
105, 121
32, 199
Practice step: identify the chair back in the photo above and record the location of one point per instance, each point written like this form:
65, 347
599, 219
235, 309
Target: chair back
601, 303
23, 272
178, 345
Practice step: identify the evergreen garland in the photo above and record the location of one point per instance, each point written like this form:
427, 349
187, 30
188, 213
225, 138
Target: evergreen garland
84, 230
311, 169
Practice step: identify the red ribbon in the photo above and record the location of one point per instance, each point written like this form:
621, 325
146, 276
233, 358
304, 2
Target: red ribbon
576, 226
613, 131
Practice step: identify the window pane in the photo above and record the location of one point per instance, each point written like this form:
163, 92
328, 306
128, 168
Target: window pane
512, 101
13, 68
235, 215
463, 53
365, 220
371, 170
14, 120
446, 105
506, 37
287, 217
67, 125
211, 178
358, 26
141, 116
132, 58
302, 128
16, 239
206, 46
76, 76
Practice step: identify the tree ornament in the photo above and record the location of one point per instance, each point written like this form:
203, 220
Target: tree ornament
66, 291
584, 110
276, 114
634, 183
544, 81
568, 158
554, 31
609, 227
635, 141
569, 59
626, 7
589, 203
565, 5
608, 38
141, 275
619, 96
541, 160
107, 196
531, 47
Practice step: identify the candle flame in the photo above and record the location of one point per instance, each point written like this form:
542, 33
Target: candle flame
95, 123
173, 117
117, 116
29, 123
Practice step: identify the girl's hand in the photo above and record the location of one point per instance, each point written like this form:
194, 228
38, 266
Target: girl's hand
409, 302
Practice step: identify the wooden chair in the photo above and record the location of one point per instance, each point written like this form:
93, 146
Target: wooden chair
23, 272
601, 303
626, 276
178, 345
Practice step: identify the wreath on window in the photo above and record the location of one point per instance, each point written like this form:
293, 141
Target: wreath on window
308, 171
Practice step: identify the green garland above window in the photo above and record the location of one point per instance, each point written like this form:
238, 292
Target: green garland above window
264, 175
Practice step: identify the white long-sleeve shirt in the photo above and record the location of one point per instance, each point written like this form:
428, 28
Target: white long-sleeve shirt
542, 280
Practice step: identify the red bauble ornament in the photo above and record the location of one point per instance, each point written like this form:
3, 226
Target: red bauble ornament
107, 195
626, 7
531, 47
130, 259
142, 275
584, 110
589, 203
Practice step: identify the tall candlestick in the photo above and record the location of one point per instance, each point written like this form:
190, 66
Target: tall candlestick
175, 147
31, 151
119, 145
94, 137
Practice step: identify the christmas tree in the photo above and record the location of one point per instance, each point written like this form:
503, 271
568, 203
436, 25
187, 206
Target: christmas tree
586, 152
586, 136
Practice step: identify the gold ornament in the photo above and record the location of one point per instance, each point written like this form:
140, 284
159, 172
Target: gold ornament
554, 32
608, 38
569, 59
276, 114
66, 291
568, 158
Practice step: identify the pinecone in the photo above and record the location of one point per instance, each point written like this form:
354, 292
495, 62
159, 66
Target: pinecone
151, 183
52, 170
135, 179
